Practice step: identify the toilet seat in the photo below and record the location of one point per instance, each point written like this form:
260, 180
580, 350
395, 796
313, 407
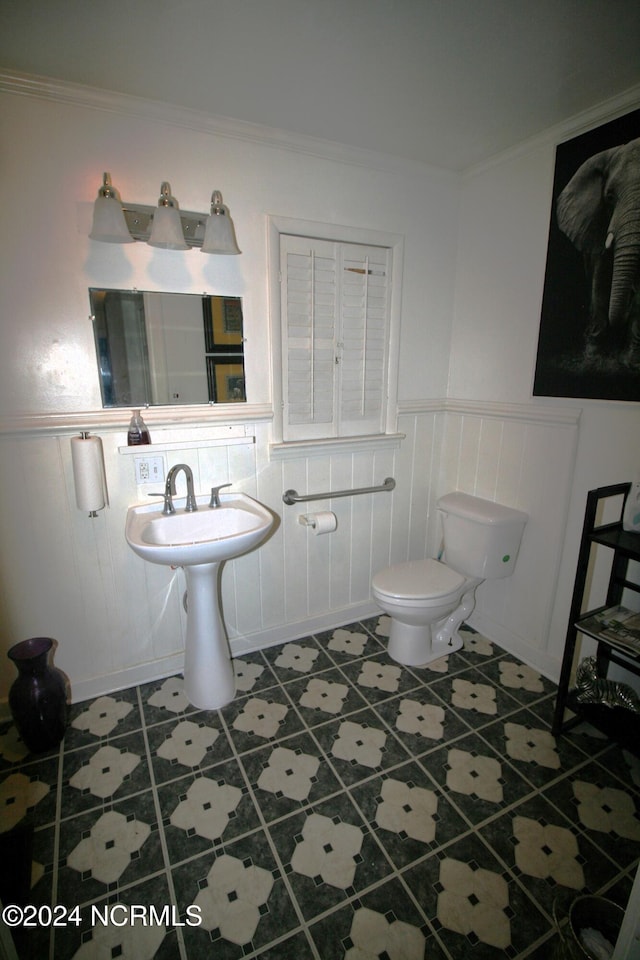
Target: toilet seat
417, 581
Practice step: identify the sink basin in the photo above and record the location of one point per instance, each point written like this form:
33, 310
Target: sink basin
205, 536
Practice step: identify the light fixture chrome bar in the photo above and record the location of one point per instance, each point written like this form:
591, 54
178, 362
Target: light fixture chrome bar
292, 496
139, 218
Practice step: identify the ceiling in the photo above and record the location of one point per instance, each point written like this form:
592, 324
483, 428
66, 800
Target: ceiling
444, 82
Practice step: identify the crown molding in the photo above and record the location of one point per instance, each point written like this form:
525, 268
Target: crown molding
582, 122
95, 98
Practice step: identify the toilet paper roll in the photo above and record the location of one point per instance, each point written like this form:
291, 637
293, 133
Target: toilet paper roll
325, 522
88, 473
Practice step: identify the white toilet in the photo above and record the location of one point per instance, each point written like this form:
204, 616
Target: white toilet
428, 600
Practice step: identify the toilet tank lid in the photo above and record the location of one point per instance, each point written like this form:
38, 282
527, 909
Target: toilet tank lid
480, 510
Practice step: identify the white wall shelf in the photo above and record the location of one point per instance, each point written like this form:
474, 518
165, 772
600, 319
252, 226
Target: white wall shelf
149, 448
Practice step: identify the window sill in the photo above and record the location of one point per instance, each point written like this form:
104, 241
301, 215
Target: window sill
295, 449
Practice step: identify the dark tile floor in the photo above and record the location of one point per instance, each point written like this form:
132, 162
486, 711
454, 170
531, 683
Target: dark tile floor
341, 807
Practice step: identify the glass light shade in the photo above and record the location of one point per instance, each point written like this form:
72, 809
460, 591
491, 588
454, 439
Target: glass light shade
109, 224
219, 236
166, 230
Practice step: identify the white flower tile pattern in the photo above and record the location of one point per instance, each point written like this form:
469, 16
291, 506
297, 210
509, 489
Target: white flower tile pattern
474, 775
106, 853
324, 695
132, 940
344, 641
298, 658
474, 696
261, 717
606, 810
548, 852
105, 771
188, 743
231, 900
289, 773
531, 746
12, 747
359, 744
206, 808
342, 806
408, 810
328, 851
476, 643
518, 676
424, 720
18, 795
171, 696
474, 901
246, 674
103, 716
374, 936
380, 676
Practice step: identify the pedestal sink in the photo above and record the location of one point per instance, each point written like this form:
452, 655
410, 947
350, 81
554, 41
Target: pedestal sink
200, 542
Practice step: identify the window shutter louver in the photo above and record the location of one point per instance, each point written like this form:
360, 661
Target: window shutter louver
308, 270
364, 338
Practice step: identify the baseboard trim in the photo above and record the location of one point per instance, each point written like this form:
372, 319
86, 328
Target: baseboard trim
516, 645
92, 687
302, 628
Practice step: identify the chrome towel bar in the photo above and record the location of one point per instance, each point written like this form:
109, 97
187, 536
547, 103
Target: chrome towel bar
292, 496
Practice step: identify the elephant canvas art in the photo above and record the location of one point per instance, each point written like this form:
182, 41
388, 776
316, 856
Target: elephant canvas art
589, 344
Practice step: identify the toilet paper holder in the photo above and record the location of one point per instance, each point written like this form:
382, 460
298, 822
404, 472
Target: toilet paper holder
323, 522
308, 519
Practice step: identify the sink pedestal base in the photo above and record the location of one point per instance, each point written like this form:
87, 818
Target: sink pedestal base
209, 679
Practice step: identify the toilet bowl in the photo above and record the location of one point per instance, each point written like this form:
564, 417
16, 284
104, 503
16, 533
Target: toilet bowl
429, 600
420, 596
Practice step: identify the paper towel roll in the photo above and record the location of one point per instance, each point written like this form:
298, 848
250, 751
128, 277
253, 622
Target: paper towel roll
323, 522
88, 473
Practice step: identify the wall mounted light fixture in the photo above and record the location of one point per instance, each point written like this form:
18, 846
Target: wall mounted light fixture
165, 226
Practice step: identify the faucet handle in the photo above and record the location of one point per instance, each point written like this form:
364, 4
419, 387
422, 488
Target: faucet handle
168, 508
215, 494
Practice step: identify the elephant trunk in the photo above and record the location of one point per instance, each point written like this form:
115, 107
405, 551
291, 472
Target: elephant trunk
626, 273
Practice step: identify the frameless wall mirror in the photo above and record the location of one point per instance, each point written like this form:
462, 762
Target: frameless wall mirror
167, 348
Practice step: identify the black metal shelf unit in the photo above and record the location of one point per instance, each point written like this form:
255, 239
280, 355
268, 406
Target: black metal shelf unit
618, 723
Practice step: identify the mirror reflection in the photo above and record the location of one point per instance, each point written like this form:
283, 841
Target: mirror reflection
167, 348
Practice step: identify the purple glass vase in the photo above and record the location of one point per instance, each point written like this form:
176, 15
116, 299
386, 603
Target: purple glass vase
38, 696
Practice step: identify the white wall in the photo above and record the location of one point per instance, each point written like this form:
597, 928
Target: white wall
54, 156
119, 620
504, 223
116, 618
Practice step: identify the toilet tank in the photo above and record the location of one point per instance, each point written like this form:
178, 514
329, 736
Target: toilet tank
481, 538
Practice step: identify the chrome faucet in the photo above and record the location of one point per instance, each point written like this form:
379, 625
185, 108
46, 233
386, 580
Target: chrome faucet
170, 490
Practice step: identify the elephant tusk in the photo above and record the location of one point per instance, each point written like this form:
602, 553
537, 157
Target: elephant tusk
609, 240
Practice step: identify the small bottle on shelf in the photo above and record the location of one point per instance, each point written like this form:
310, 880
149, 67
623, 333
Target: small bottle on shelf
138, 431
631, 515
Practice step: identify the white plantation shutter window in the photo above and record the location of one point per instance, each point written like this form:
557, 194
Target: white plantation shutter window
335, 333
364, 338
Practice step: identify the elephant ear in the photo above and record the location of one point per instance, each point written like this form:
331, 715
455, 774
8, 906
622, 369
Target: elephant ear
580, 209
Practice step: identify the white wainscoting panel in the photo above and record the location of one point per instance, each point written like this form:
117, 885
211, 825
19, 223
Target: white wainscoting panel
119, 620
522, 457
